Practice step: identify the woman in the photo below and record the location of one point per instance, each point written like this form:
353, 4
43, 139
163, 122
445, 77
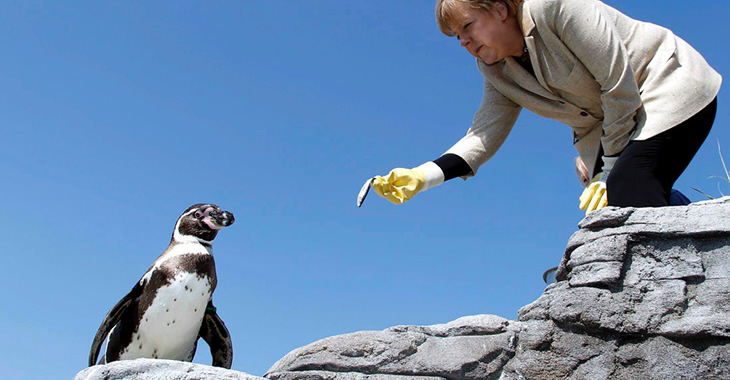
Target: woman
640, 100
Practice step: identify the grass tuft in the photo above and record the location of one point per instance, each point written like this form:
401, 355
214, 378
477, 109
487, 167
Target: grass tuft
725, 177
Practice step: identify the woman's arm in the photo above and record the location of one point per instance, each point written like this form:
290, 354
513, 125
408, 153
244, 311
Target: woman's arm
491, 125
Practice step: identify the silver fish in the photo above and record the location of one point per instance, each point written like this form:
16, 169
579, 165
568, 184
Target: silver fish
364, 191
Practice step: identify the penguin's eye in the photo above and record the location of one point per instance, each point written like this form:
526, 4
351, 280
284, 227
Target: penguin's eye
198, 214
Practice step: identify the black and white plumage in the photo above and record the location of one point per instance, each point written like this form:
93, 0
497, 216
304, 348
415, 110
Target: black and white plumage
171, 306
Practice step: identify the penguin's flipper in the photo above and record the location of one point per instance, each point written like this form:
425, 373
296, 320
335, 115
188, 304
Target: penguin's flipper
214, 332
110, 320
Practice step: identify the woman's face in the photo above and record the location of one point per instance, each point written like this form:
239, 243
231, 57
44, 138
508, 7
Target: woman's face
490, 36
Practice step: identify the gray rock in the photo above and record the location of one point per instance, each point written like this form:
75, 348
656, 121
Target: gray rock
464, 326
157, 369
324, 375
469, 348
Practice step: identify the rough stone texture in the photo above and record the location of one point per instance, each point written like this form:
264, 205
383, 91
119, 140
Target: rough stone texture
324, 375
157, 369
641, 294
468, 348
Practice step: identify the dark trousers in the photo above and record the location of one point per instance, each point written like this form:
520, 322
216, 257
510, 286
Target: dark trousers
645, 172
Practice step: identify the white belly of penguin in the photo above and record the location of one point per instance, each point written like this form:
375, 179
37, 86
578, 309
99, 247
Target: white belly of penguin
170, 326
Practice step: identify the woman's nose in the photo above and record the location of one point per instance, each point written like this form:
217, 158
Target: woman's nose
463, 40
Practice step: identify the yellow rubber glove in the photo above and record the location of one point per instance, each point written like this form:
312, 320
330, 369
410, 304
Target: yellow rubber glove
594, 196
400, 184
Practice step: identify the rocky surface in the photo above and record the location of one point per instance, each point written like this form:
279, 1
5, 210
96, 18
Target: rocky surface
470, 347
640, 294
157, 369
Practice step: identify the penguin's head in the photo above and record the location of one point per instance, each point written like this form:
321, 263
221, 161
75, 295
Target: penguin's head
201, 221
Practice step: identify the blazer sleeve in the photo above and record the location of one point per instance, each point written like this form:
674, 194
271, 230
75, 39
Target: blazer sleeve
587, 29
491, 125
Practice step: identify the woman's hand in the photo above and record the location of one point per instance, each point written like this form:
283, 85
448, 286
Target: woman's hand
400, 184
595, 196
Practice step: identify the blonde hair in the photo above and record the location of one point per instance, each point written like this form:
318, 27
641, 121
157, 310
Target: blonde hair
446, 13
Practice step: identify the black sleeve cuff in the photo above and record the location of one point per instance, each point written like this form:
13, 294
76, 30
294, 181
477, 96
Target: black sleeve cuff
453, 166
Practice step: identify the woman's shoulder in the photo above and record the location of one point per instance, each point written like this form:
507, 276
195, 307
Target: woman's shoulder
540, 6
550, 9
559, 12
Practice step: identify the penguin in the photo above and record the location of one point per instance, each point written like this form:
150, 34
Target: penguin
171, 306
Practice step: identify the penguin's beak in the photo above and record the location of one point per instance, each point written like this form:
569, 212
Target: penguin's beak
218, 219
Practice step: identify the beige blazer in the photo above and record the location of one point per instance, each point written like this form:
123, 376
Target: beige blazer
610, 78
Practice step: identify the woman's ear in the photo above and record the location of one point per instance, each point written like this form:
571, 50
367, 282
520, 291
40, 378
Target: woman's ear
500, 11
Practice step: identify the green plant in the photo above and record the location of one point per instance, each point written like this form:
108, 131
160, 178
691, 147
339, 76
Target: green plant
725, 177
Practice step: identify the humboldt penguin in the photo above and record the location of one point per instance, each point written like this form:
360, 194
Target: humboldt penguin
171, 306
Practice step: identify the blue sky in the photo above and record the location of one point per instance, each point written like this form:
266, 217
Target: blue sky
116, 116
